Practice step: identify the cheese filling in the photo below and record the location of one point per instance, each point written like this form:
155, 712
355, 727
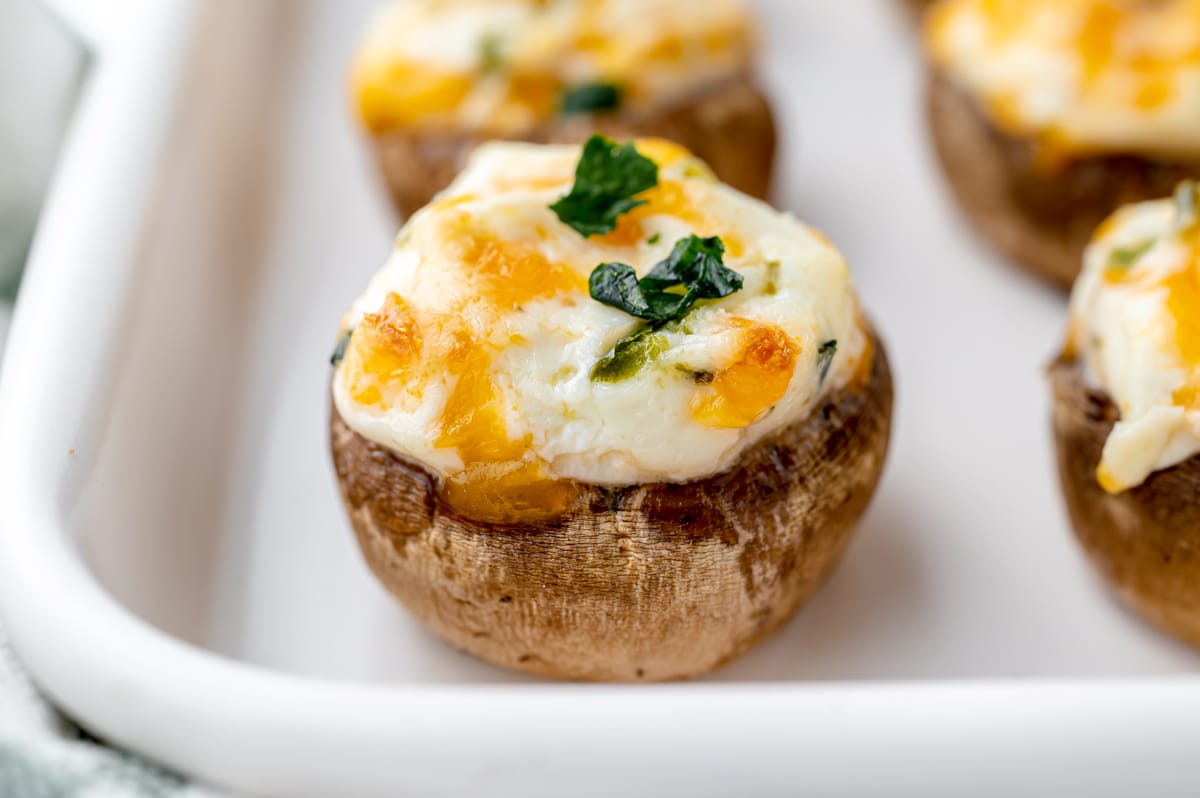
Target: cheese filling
1135, 323
506, 66
476, 348
1079, 76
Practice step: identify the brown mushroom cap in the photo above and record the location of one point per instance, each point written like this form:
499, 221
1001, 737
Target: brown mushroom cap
1042, 217
728, 125
650, 582
1145, 541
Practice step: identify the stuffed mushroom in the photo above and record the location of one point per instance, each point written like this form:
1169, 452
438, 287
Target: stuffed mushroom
1127, 409
1048, 116
603, 417
435, 78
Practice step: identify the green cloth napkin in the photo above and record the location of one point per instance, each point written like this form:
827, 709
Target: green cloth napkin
44, 755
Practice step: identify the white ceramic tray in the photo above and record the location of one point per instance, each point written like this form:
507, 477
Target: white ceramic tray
176, 570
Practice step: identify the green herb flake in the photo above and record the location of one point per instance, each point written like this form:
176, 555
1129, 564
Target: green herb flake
699, 171
607, 179
339, 352
772, 285
591, 98
1124, 257
630, 355
491, 53
825, 357
694, 270
654, 239
1187, 217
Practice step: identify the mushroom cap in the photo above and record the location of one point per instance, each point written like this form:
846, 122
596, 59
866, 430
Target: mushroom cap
1041, 217
728, 125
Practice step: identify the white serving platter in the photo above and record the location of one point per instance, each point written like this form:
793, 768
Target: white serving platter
176, 571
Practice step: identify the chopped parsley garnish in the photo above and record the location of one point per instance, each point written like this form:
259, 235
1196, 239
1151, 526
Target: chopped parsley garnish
694, 270
631, 354
339, 352
654, 239
825, 357
607, 179
1124, 257
1186, 213
591, 98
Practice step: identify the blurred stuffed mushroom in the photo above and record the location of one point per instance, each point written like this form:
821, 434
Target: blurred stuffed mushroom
1048, 116
1127, 408
435, 78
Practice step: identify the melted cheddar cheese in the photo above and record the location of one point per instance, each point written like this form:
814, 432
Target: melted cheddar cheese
473, 349
1135, 324
1079, 76
503, 66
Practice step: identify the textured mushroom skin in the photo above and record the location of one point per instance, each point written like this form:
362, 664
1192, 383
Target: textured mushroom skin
1145, 541
918, 6
729, 126
652, 582
1042, 217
